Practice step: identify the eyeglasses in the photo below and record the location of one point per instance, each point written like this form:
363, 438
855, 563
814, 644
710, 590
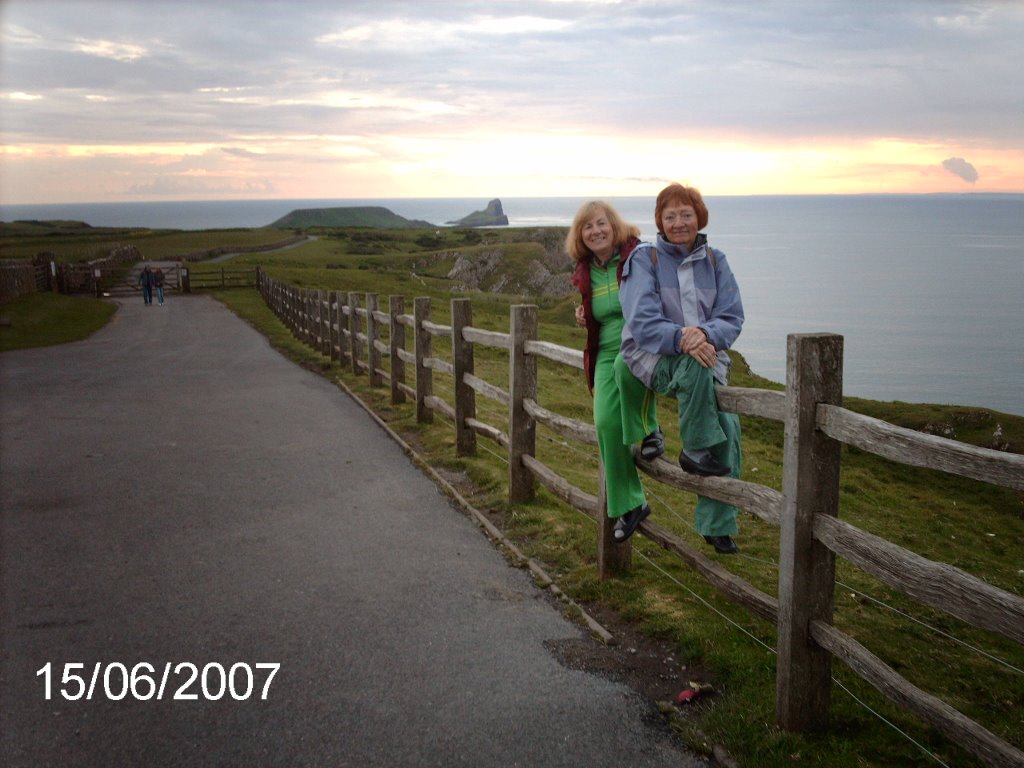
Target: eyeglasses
685, 218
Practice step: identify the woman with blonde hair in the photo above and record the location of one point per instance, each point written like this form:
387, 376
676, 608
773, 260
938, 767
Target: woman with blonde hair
599, 242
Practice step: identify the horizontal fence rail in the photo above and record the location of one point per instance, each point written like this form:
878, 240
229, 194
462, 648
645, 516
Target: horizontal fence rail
805, 511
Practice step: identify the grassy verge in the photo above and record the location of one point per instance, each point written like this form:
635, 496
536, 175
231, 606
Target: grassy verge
44, 319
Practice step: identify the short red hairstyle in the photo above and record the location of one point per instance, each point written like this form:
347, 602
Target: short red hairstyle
677, 194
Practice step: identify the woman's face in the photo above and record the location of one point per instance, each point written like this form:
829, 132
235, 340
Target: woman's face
679, 224
597, 236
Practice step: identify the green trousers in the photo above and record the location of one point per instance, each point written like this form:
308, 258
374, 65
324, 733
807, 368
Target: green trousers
622, 406
702, 425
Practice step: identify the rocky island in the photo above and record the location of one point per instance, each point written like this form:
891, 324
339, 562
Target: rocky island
492, 216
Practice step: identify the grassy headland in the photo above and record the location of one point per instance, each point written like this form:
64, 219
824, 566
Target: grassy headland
970, 525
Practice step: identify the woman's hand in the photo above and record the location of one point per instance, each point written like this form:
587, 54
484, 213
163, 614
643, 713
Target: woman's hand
693, 337
705, 354
694, 342
581, 321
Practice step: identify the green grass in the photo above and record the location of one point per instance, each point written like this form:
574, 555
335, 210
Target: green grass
44, 319
24, 241
970, 525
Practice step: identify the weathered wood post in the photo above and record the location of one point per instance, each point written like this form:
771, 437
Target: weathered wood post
396, 307
612, 557
324, 300
465, 395
332, 327
424, 375
522, 430
343, 345
302, 306
353, 331
318, 320
306, 325
372, 340
807, 570
310, 305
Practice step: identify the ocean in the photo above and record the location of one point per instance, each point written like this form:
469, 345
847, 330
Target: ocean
926, 289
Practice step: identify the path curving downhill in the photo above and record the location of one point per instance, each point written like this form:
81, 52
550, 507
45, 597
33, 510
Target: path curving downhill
174, 490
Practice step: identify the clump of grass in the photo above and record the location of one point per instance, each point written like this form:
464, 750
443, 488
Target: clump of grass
44, 319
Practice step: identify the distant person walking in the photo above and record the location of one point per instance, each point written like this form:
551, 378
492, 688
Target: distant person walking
599, 242
146, 280
158, 283
683, 311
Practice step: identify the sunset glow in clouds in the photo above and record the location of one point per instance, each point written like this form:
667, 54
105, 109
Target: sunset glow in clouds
112, 101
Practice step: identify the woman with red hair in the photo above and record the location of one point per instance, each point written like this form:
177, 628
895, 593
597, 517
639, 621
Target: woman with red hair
682, 311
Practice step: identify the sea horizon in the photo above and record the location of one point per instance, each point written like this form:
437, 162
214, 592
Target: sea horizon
924, 288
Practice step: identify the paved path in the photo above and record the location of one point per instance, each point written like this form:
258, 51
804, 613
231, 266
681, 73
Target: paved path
173, 490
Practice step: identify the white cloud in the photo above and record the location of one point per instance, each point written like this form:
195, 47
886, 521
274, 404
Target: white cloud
401, 33
107, 49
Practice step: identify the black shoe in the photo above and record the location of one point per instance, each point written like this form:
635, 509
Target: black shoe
653, 446
723, 544
709, 465
626, 524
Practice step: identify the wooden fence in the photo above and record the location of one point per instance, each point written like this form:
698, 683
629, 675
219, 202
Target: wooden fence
206, 277
348, 328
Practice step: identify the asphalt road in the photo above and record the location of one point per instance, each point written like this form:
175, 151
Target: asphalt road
174, 491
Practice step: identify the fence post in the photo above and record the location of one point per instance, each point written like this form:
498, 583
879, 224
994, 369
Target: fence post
353, 331
612, 557
396, 307
318, 320
424, 375
334, 319
313, 320
323, 337
810, 486
465, 395
522, 430
372, 337
326, 345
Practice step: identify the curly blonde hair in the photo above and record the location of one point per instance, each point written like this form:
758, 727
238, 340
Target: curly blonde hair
621, 231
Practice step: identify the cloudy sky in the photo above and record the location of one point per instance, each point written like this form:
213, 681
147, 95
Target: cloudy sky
161, 100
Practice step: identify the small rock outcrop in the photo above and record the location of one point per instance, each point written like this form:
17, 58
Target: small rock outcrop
492, 216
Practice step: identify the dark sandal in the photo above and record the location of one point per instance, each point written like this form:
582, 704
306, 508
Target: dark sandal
652, 446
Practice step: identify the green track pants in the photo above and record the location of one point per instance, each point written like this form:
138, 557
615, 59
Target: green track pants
622, 406
702, 425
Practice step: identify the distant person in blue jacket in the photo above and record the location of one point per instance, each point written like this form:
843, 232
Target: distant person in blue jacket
682, 311
146, 281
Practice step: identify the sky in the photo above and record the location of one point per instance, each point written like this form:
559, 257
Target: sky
174, 100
